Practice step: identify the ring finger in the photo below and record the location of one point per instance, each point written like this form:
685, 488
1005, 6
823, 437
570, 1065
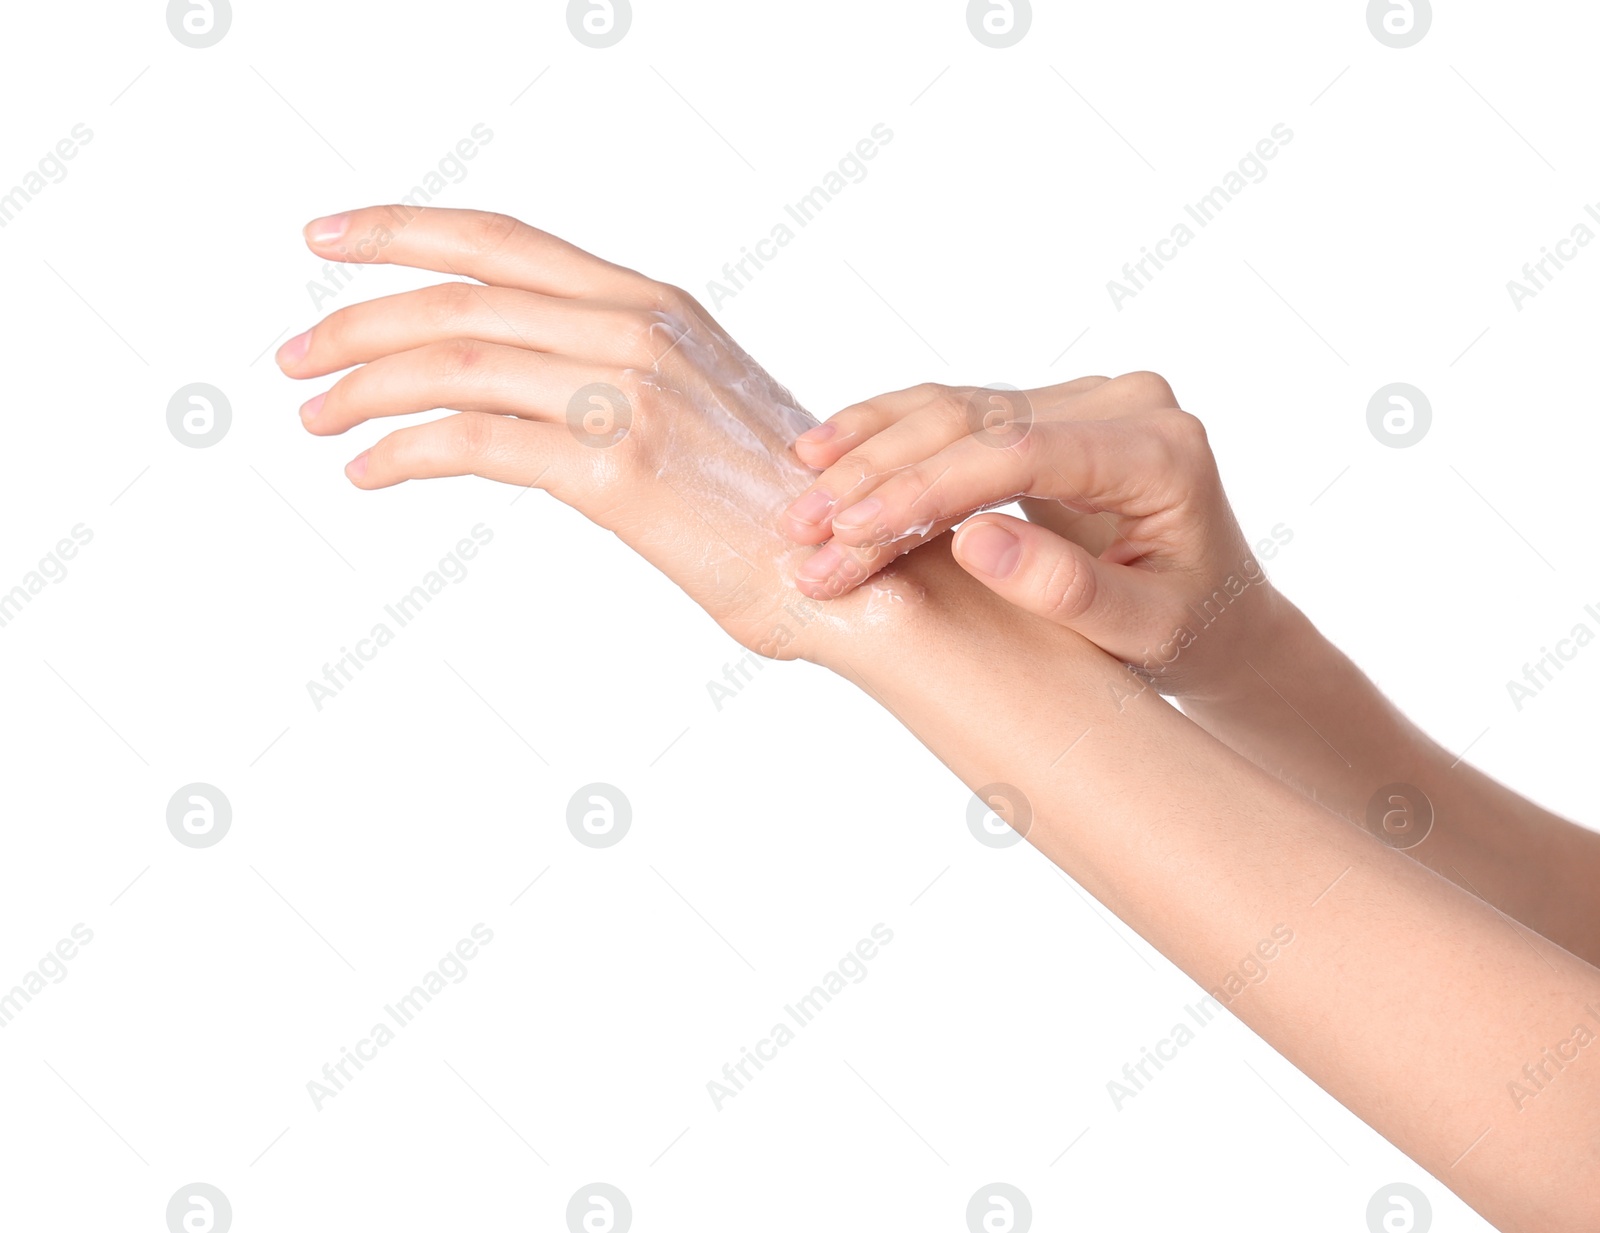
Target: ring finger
461, 374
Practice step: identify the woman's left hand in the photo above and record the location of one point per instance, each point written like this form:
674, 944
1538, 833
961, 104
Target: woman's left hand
618, 395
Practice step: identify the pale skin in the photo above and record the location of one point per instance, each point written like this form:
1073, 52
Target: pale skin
1408, 997
1133, 539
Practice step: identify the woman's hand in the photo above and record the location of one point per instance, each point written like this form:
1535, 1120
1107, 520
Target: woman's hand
618, 395
1131, 542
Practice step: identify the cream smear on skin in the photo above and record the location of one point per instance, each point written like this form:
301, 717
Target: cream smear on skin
755, 474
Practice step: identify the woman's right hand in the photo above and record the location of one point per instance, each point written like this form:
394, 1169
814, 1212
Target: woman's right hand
1130, 540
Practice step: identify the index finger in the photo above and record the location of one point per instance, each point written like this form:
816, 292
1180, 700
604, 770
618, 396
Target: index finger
1088, 465
492, 248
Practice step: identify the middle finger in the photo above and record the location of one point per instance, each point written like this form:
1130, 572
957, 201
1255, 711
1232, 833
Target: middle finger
585, 330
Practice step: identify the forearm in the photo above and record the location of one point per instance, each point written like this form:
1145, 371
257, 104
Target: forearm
1409, 1000
1305, 713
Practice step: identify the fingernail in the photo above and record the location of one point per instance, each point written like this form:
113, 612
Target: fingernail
811, 508
859, 514
309, 411
819, 434
821, 564
990, 549
357, 466
327, 230
295, 349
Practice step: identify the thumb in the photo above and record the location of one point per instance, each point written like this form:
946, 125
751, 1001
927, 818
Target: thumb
1057, 579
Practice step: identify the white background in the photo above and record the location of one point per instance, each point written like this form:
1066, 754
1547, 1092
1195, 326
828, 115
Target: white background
369, 837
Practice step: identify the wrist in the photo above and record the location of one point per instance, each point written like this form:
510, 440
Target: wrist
915, 604
1276, 638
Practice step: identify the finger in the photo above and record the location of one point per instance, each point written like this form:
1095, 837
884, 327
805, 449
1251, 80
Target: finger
899, 429
1056, 579
1121, 465
586, 330
837, 568
1132, 393
493, 248
829, 441
461, 375
920, 434
493, 446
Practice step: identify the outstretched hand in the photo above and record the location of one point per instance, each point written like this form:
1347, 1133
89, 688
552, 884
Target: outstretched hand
618, 395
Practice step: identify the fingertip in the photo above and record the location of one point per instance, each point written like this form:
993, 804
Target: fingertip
356, 469
294, 351
806, 521
989, 549
309, 411
820, 447
807, 533
813, 455
320, 232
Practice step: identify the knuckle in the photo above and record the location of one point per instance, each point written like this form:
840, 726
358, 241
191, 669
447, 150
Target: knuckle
635, 387
1184, 437
1148, 389
458, 356
917, 491
858, 465
448, 303
470, 435
484, 233
1021, 448
635, 334
672, 300
953, 401
1067, 590
333, 331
